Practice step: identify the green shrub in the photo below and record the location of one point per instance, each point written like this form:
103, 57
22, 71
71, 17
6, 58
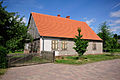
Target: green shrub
115, 50
3, 57
2, 71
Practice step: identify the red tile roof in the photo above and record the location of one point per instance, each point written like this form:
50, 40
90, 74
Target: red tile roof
54, 26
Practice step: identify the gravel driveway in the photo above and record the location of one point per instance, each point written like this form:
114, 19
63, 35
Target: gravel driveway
104, 70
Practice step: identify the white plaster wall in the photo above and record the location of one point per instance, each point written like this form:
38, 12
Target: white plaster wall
41, 44
48, 45
70, 44
99, 48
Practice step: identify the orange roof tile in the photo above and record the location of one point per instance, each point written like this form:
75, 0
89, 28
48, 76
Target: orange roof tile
54, 26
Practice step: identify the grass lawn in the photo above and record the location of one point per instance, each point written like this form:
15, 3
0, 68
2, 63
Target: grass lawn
28, 61
2, 71
36, 59
86, 59
16, 52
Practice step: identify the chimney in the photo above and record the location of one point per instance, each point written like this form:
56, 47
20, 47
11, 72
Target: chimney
68, 17
58, 15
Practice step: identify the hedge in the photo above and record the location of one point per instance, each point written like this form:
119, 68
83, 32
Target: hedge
3, 57
116, 50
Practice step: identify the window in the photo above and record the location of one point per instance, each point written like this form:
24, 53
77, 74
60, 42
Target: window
94, 46
64, 45
54, 45
26, 46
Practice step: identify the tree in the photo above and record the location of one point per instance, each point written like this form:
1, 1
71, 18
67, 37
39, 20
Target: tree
115, 42
80, 44
3, 58
13, 31
105, 35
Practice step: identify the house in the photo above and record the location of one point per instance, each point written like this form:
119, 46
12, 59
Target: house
119, 41
54, 33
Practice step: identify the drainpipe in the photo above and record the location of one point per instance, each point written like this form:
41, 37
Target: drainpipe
43, 43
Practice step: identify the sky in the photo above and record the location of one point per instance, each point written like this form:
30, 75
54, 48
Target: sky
93, 12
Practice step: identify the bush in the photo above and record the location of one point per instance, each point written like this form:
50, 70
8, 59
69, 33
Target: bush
3, 57
2, 71
115, 50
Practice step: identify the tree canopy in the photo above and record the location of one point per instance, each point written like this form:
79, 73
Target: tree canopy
105, 35
110, 40
13, 31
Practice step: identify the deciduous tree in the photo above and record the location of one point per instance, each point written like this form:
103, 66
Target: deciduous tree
13, 31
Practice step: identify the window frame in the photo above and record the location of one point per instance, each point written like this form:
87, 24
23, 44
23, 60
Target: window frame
54, 45
94, 47
64, 43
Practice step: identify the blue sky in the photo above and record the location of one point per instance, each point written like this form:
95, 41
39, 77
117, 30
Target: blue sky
94, 12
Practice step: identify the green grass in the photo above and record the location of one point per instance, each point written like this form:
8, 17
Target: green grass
86, 59
16, 52
37, 59
2, 71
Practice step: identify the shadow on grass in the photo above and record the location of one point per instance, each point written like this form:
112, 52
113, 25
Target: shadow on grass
76, 57
109, 54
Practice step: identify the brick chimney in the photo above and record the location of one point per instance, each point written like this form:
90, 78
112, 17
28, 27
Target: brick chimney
58, 15
68, 17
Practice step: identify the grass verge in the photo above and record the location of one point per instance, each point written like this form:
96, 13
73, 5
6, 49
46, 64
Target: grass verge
37, 59
16, 52
2, 71
86, 59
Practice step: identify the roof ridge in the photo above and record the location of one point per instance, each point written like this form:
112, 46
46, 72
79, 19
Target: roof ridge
58, 17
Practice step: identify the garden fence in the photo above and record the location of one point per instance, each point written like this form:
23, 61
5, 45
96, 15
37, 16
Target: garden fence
20, 59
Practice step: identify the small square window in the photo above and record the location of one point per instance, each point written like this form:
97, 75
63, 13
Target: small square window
94, 46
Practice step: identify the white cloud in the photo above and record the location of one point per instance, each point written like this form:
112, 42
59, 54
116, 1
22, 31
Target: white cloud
116, 5
112, 24
24, 20
89, 22
114, 29
85, 18
115, 14
40, 7
115, 22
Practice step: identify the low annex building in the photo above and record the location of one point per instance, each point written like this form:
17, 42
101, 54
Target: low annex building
55, 33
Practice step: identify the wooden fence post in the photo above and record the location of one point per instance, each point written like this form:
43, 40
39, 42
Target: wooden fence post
53, 56
8, 60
